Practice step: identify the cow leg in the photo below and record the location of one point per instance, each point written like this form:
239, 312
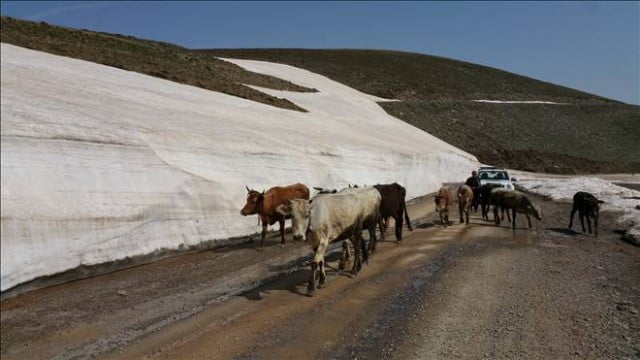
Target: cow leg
311, 287
363, 248
362, 252
356, 256
528, 220
485, 211
446, 217
264, 234
323, 275
588, 223
513, 211
573, 212
496, 218
461, 211
581, 215
398, 219
318, 258
508, 217
468, 211
346, 255
281, 221
373, 238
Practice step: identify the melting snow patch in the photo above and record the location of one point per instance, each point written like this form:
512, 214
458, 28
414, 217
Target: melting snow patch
616, 198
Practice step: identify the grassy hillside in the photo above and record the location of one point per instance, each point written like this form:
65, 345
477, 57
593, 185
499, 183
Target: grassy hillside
410, 76
590, 134
148, 57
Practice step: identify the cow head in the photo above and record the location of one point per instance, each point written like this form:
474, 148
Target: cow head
298, 210
531, 209
254, 202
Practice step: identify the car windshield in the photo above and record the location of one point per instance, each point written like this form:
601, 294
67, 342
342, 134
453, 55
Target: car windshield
494, 175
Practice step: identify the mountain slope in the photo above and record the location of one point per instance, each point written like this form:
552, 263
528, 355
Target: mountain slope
411, 76
153, 58
586, 134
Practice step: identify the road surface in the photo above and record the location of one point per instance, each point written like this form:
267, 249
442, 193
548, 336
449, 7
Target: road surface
476, 291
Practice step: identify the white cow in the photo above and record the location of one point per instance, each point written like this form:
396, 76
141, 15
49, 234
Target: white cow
328, 218
372, 198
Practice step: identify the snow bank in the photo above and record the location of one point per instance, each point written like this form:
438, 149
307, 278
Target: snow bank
99, 164
616, 198
519, 102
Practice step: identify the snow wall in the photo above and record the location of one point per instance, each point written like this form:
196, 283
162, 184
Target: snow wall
99, 164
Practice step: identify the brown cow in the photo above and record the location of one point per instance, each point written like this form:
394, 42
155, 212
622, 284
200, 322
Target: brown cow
264, 204
444, 199
465, 199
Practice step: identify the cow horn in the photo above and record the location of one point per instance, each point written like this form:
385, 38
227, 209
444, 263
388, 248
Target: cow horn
263, 191
317, 188
248, 190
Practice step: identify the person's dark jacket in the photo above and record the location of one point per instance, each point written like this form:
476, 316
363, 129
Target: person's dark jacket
473, 182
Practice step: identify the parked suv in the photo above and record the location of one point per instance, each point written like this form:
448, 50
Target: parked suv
491, 175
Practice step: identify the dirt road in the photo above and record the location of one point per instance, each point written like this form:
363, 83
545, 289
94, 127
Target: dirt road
476, 291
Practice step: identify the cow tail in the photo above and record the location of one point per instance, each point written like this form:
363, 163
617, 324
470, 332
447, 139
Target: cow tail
406, 215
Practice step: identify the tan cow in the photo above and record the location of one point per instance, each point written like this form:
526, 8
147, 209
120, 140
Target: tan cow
515, 201
444, 199
465, 199
265, 204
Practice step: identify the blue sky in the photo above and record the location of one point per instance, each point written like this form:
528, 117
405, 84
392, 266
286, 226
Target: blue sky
591, 46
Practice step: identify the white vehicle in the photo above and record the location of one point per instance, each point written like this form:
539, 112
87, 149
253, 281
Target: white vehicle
491, 175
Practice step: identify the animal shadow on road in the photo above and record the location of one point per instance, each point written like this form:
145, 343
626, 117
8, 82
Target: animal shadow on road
424, 225
564, 231
288, 280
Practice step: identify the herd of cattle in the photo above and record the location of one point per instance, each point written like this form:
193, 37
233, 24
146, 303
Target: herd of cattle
333, 215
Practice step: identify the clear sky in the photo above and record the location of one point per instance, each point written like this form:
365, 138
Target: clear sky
591, 46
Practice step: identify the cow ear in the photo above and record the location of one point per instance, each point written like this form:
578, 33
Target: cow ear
283, 209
